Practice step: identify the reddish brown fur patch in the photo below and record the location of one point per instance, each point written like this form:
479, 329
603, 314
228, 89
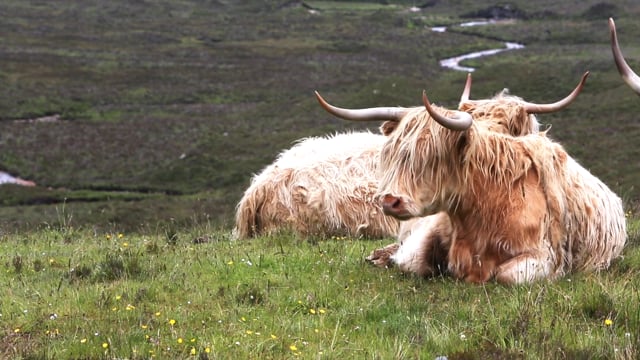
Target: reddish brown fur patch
388, 127
491, 232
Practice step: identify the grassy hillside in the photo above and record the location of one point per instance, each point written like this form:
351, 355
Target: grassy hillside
192, 294
166, 108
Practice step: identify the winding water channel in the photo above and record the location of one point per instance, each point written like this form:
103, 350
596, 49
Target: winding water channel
454, 62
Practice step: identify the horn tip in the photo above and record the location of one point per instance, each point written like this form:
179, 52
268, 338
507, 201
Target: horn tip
425, 99
318, 97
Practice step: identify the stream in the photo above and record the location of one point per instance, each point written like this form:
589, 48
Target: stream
454, 62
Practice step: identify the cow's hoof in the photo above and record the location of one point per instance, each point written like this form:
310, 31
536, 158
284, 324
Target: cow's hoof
382, 257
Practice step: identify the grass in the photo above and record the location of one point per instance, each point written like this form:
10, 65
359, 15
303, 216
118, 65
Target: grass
77, 293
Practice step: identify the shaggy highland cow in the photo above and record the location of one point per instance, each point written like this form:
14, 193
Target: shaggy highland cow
521, 208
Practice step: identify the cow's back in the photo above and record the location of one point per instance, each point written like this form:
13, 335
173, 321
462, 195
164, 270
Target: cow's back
321, 186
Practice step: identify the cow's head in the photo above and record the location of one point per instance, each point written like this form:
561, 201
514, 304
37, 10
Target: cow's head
628, 75
417, 146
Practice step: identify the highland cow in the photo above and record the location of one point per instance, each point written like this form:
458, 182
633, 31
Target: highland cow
521, 208
322, 186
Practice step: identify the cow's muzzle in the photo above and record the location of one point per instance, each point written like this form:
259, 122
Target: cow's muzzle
395, 206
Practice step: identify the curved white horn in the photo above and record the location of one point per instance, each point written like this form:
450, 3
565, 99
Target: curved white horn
533, 108
370, 114
460, 122
628, 75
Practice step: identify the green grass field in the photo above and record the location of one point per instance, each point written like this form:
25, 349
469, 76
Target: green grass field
81, 294
167, 108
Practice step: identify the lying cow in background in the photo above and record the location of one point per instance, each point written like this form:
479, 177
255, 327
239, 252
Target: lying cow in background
321, 186
422, 243
521, 208
629, 76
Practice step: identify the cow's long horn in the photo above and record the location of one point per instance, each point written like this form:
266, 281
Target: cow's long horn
532, 108
371, 114
461, 121
467, 89
630, 77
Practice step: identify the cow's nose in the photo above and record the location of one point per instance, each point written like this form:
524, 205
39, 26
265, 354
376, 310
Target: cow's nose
392, 205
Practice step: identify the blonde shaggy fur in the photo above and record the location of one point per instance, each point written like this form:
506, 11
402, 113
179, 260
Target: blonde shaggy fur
521, 208
321, 186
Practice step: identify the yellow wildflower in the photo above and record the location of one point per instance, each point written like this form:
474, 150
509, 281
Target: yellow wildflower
293, 347
608, 322
172, 322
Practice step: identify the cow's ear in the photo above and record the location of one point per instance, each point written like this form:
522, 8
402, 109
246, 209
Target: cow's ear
388, 127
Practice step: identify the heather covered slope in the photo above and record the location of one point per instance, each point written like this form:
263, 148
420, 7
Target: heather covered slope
167, 108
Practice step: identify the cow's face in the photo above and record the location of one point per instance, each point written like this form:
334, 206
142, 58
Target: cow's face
416, 150
418, 172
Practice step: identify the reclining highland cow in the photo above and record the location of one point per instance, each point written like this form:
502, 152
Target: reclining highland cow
521, 208
422, 244
322, 186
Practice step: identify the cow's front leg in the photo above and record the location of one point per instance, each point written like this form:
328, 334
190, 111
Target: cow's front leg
382, 257
466, 264
524, 268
